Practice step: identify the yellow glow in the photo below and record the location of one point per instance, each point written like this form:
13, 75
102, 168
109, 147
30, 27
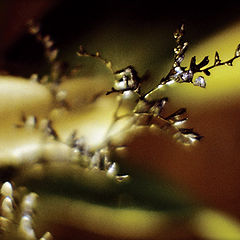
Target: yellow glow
28, 152
19, 95
91, 123
82, 91
19, 145
216, 225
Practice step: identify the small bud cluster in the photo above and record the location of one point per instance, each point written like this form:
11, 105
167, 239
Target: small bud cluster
17, 216
128, 81
186, 75
48, 44
83, 53
80, 152
98, 160
45, 125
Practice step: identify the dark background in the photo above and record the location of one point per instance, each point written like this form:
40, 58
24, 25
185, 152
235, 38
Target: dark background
115, 28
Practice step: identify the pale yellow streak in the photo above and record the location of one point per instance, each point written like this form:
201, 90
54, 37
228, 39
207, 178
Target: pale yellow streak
214, 225
125, 222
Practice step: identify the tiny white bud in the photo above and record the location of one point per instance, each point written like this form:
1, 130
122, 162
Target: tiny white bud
7, 208
25, 228
121, 85
112, 170
61, 95
47, 236
29, 202
75, 155
43, 124
34, 77
47, 41
6, 189
179, 122
187, 76
122, 178
178, 70
95, 160
52, 55
30, 122
170, 82
237, 52
34, 29
200, 82
4, 224
128, 94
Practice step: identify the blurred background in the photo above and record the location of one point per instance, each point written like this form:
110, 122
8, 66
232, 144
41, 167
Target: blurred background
139, 33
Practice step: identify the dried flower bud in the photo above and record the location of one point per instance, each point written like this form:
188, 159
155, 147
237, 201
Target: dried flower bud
4, 224
200, 82
180, 122
95, 160
217, 60
52, 55
7, 208
184, 139
6, 190
177, 73
33, 27
47, 236
34, 77
112, 170
122, 178
61, 95
179, 33
237, 51
127, 79
47, 41
187, 76
26, 229
176, 115
29, 203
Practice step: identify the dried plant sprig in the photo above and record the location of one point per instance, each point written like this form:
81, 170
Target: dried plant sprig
58, 68
83, 53
147, 112
182, 74
17, 217
219, 62
97, 160
153, 110
129, 81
